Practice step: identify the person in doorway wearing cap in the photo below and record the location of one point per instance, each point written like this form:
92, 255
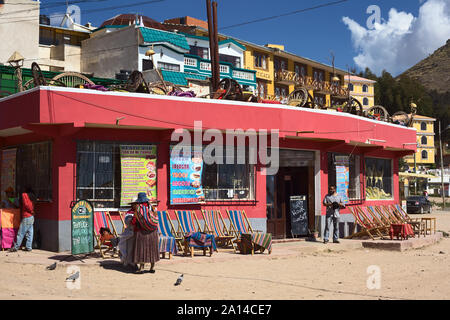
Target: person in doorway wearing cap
334, 202
146, 245
11, 202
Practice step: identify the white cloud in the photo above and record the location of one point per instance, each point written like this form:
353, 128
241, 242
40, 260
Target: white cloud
402, 40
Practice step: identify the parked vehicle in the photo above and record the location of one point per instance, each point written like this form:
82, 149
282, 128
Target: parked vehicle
418, 204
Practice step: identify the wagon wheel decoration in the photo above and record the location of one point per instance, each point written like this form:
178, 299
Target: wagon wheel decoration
38, 77
228, 89
353, 106
378, 113
136, 83
298, 98
71, 79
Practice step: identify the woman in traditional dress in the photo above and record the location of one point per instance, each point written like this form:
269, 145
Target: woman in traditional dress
127, 238
145, 222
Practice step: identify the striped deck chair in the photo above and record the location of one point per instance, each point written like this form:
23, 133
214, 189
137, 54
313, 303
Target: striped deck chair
379, 216
188, 223
388, 212
166, 229
416, 223
366, 225
102, 219
215, 225
373, 216
239, 225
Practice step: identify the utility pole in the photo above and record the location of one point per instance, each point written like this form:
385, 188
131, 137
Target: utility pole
442, 166
213, 45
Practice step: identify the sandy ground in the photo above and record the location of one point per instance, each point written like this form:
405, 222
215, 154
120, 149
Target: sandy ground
296, 270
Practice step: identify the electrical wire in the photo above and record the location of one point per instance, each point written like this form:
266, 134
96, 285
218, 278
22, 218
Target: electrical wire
284, 14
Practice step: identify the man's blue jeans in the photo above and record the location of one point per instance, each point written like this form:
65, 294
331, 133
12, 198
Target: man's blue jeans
331, 220
25, 230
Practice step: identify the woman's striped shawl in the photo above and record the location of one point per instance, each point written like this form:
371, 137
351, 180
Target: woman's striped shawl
146, 219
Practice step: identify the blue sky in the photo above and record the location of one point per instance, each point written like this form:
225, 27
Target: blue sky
312, 34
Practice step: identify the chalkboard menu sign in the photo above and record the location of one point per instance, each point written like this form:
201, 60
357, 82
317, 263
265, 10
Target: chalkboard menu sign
299, 216
82, 227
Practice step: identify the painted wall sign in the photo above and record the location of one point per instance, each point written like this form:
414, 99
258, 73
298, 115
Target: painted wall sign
82, 227
186, 179
138, 172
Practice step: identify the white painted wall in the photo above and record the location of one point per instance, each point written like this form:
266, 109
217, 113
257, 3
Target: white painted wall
168, 56
19, 31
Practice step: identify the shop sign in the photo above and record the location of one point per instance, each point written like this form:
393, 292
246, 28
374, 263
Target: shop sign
263, 75
342, 176
186, 178
138, 172
82, 228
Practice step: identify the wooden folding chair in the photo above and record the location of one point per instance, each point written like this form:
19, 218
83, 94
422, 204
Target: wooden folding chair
166, 229
102, 219
239, 225
187, 223
368, 228
215, 225
383, 225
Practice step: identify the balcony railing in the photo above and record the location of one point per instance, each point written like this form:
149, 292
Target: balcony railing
286, 77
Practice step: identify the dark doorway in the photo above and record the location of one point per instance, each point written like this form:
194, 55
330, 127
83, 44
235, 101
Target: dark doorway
289, 182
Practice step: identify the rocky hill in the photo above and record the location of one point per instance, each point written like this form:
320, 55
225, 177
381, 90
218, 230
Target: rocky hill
433, 72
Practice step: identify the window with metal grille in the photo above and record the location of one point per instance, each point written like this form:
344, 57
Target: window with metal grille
33, 168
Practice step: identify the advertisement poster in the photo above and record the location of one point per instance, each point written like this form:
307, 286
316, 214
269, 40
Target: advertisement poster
8, 171
342, 177
138, 172
186, 179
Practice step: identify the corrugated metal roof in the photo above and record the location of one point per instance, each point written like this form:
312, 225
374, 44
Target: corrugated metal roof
180, 78
153, 35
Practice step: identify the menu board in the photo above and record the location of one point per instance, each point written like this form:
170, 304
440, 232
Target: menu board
342, 177
82, 227
138, 172
8, 171
186, 178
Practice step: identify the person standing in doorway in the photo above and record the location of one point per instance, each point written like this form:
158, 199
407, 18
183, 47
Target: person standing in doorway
334, 202
27, 203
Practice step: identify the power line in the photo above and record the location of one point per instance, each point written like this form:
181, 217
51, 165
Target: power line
284, 14
141, 3
48, 6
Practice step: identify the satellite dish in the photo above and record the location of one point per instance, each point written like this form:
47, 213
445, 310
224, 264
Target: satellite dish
72, 16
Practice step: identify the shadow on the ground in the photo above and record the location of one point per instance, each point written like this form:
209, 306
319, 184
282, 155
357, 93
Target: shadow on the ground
116, 266
72, 258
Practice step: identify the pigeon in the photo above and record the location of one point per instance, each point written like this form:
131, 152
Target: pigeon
180, 278
74, 276
52, 266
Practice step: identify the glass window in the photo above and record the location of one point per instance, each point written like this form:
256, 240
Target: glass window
378, 179
202, 52
98, 173
424, 141
365, 101
260, 60
168, 66
424, 155
235, 61
423, 126
365, 88
229, 181
354, 186
350, 86
300, 70
33, 168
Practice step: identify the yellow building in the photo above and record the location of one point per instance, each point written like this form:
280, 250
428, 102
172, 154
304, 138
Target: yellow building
361, 89
425, 155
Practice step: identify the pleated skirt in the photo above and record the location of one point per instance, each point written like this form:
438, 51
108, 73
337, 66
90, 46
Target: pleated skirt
146, 248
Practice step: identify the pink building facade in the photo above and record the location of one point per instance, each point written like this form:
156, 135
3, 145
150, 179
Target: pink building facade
67, 143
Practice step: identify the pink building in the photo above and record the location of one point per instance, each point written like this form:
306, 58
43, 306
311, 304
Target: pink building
68, 143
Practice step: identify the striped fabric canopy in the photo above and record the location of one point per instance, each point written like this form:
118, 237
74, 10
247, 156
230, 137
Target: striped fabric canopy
101, 221
186, 221
238, 221
213, 222
163, 224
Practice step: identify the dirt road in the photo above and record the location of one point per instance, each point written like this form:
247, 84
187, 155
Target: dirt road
292, 273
